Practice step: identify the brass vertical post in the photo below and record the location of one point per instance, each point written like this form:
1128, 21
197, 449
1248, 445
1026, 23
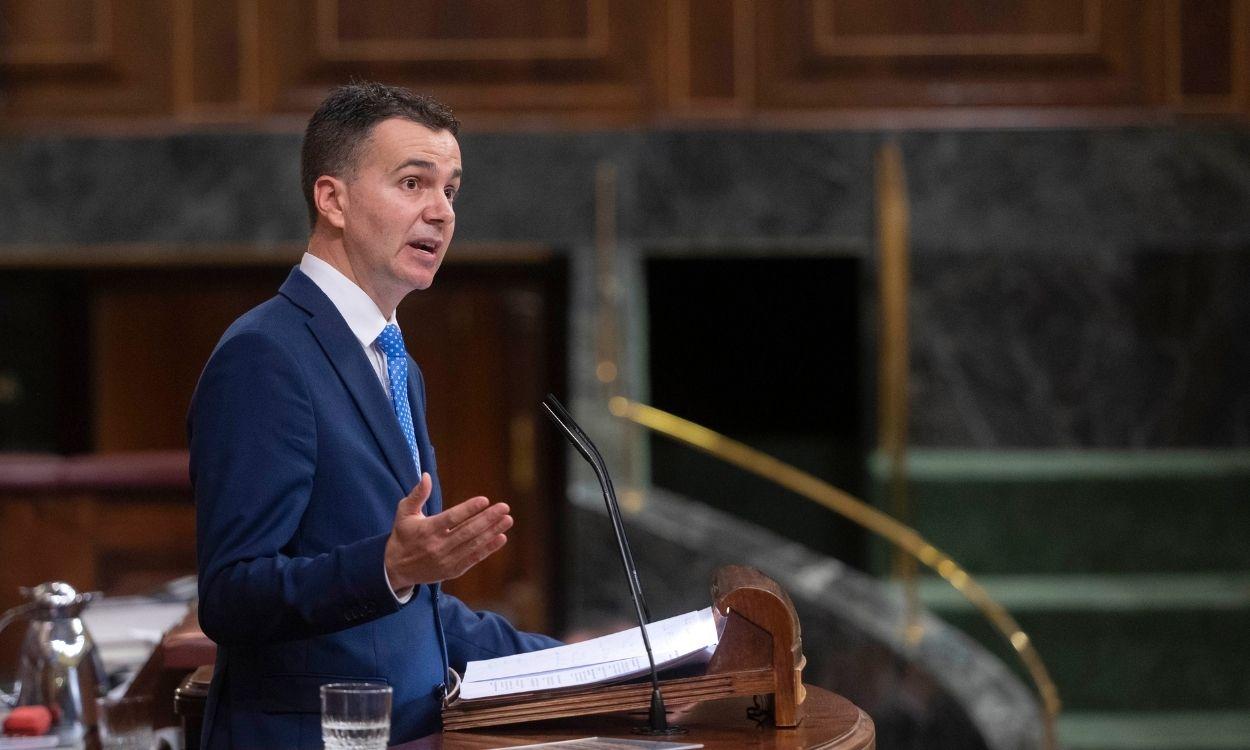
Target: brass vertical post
893, 365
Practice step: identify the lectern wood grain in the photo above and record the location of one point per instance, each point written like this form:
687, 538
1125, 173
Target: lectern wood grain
757, 598
830, 722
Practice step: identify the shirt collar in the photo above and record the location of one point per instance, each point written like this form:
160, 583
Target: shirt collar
361, 314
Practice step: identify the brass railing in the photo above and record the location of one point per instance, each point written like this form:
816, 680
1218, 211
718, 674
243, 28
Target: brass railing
896, 533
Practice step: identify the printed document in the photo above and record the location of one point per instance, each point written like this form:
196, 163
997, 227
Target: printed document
677, 640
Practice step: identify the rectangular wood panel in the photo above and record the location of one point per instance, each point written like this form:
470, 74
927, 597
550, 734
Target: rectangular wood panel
1207, 46
711, 56
956, 27
907, 53
587, 56
152, 332
55, 32
474, 29
85, 58
1206, 49
213, 57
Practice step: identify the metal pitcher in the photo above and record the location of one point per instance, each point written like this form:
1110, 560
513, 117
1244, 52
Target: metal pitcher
58, 666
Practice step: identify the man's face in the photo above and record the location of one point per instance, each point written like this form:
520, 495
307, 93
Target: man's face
398, 216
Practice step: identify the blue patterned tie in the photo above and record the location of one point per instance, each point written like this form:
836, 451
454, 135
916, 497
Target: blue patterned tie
391, 342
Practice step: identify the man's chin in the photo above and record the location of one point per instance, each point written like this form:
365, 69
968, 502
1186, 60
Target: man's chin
421, 280
420, 275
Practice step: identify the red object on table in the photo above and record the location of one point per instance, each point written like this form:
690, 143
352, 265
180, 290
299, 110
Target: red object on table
28, 721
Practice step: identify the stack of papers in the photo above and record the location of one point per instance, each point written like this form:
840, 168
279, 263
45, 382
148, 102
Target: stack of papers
682, 639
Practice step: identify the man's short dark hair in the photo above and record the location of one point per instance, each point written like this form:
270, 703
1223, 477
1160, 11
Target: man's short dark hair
341, 126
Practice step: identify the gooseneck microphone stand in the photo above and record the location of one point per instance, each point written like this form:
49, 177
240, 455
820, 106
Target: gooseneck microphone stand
657, 721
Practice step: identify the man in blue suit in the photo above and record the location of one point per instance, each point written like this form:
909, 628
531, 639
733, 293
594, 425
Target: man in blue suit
320, 530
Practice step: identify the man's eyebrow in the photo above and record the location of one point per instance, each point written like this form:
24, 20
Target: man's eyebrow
427, 165
418, 163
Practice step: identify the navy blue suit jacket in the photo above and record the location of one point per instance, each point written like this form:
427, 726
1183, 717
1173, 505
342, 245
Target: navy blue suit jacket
298, 462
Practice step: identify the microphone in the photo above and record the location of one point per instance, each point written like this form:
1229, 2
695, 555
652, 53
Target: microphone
657, 721
585, 446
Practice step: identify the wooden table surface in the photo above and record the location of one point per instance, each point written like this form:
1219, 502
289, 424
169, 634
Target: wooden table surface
831, 722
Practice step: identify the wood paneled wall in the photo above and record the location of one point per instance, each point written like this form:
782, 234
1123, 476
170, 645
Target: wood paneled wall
568, 62
120, 525
489, 337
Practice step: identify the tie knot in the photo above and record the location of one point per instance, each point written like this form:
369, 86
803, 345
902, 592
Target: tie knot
391, 342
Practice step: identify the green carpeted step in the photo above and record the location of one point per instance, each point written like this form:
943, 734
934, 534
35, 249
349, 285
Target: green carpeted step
1123, 642
1194, 730
1086, 511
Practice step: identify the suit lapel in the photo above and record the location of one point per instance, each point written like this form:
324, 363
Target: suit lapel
349, 361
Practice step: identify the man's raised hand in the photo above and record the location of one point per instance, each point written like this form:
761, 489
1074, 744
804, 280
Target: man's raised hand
427, 549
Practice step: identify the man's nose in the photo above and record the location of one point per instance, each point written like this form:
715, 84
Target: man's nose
440, 210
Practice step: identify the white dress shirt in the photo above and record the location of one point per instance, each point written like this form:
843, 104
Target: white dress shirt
366, 323
356, 307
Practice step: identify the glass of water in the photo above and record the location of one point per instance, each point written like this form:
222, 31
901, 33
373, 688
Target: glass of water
125, 723
355, 715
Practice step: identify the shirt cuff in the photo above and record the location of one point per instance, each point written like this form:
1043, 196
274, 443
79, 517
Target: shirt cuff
400, 596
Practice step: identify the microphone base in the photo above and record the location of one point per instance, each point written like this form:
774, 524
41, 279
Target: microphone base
657, 720
668, 731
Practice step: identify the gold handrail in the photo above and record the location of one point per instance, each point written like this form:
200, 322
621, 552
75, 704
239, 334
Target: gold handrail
859, 512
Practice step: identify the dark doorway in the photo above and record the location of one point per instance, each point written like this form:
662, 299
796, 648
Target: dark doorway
767, 352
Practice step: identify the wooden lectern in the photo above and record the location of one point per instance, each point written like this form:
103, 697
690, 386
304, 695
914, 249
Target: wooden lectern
760, 654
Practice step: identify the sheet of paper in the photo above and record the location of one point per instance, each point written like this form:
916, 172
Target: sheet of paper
615, 656
126, 629
686, 633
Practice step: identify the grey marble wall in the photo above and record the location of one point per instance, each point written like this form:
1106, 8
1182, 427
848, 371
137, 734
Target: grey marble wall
204, 188
1081, 289
1132, 349
1071, 288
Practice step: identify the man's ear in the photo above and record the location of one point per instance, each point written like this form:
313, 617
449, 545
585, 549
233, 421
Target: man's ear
330, 197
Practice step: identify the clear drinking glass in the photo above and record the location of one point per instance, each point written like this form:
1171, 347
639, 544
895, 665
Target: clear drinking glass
355, 716
125, 723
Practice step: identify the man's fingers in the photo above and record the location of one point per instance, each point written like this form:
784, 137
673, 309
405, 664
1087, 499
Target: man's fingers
488, 548
414, 503
493, 519
472, 549
448, 544
458, 514
479, 550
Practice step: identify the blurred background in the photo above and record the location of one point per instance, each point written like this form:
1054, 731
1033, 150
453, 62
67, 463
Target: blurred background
682, 203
